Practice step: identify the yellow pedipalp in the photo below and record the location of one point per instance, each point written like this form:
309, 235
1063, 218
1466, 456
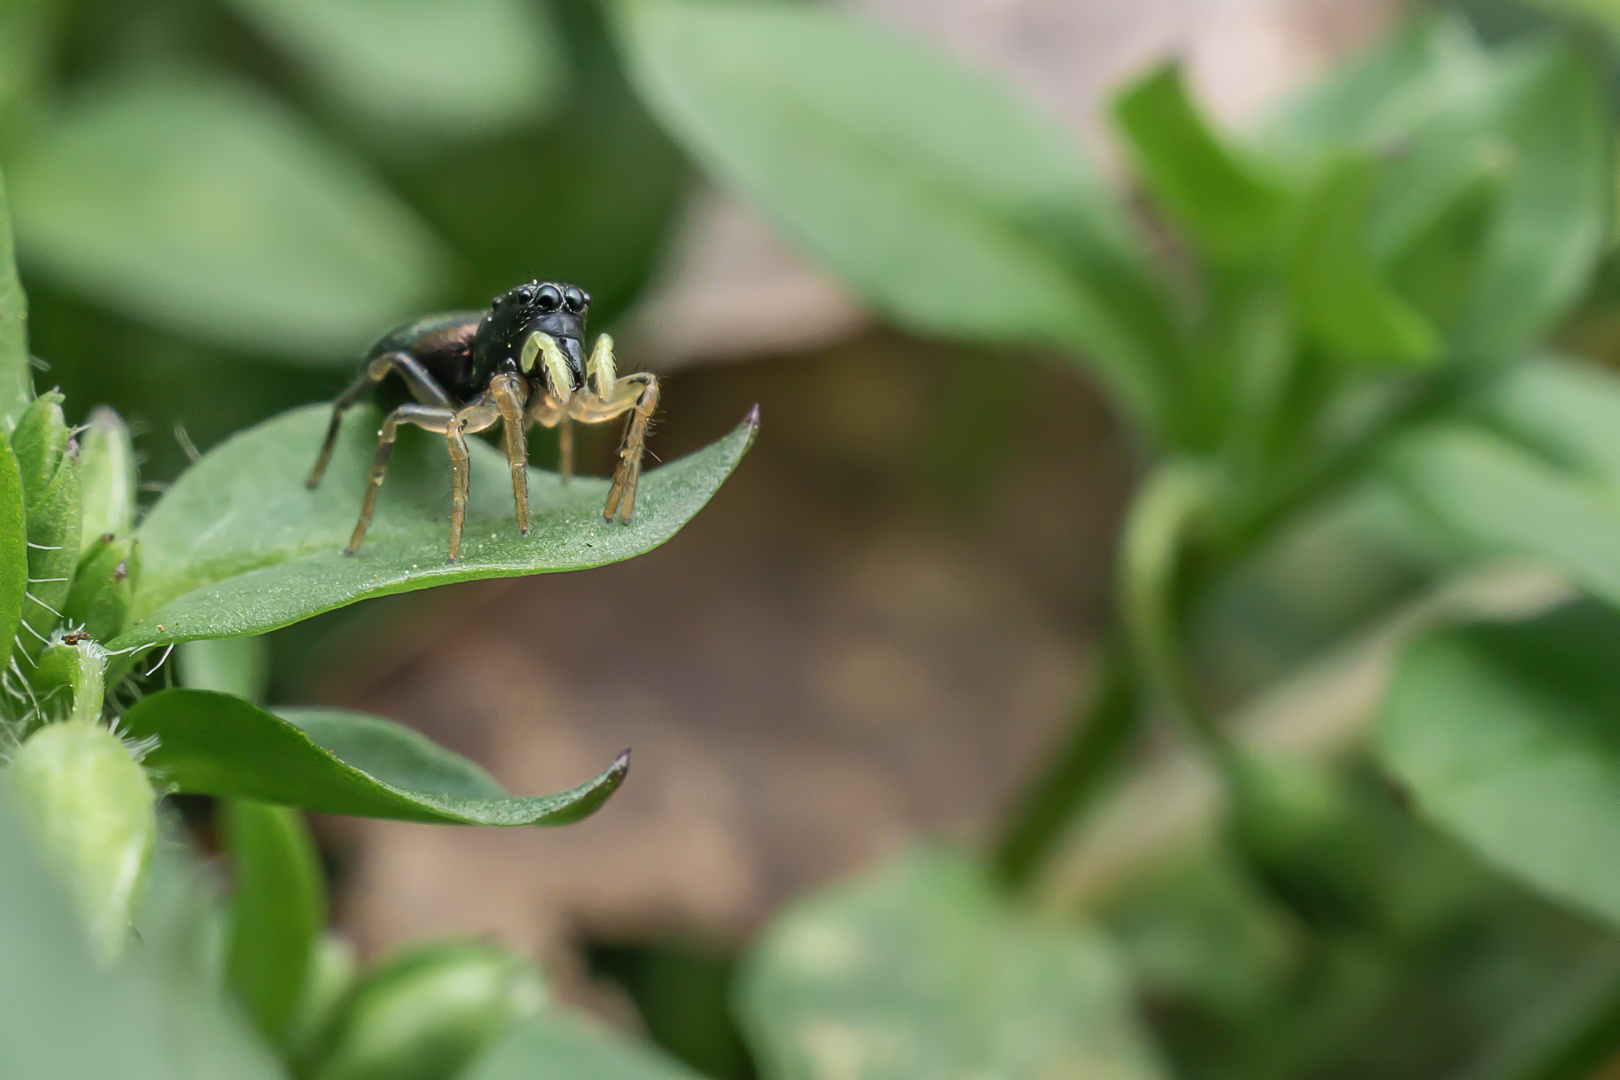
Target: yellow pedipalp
559, 380
600, 367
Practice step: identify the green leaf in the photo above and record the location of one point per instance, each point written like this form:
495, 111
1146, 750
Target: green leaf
16, 376
426, 1012
239, 546
107, 478
1433, 69
53, 555
1555, 203
421, 67
939, 197
62, 1019
94, 815
103, 590
238, 666
1229, 204
557, 1044
226, 217
277, 910
1536, 472
1505, 735
919, 971
337, 762
1342, 296
13, 548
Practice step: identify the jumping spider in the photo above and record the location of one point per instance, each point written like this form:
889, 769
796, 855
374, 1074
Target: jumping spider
521, 362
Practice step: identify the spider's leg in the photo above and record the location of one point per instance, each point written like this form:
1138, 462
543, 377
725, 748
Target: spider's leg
509, 392
635, 394
423, 416
547, 411
475, 417
422, 386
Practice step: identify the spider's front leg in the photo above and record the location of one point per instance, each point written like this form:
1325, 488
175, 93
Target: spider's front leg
635, 394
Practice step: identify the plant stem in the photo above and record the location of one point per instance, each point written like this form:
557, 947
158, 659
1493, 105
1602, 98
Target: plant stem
1100, 732
1168, 504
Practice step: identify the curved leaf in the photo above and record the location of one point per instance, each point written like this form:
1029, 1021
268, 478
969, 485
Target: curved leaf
941, 198
336, 762
921, 972
1505, 734
239, 546
226, 217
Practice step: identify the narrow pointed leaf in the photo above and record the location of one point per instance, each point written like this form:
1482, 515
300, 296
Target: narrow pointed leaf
240, 546
1229, 203
337, 762
1505, 734
13, 547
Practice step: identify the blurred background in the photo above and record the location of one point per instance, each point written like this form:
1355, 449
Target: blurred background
880, 628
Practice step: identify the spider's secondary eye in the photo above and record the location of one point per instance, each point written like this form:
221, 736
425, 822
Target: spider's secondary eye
525, 295
575, 298
550, 298
585, 297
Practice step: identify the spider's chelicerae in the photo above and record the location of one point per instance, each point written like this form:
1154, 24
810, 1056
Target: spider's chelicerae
521, 362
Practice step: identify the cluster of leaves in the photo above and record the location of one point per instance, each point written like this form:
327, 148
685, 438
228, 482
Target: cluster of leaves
1358, 295
236, 547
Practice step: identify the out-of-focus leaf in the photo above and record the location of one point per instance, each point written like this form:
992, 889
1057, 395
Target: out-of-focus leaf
205, 206
277, 909
239, 546
238, 666
1537, 473
1535, 112
1505, 734
1342, 296
13, 547
919, 971
589, 198
16, 376
1433, 219
424, 1014
939, 197
93, 813
555, 1043
465, 69
106, 478
1229, 204
1555, 202
61, 1019
336, 762
1434, 68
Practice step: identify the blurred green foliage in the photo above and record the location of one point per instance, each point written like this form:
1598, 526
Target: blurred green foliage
1341, 339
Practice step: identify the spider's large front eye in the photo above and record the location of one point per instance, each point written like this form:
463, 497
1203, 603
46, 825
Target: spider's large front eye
550, 299
574, 298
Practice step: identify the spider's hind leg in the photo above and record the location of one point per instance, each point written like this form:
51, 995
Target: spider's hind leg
423, 416
422, 386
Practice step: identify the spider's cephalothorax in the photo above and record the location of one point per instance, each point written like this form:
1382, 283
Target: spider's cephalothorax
521, 362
